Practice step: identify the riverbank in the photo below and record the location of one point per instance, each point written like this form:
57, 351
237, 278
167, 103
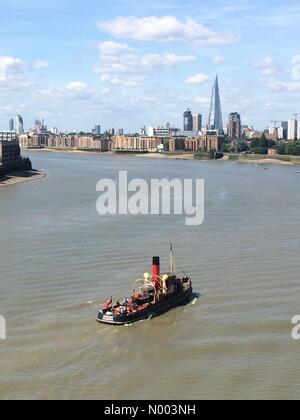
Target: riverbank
250, 159
179, 156
150, 155
21, 177
69, 151
266, 161
263, 159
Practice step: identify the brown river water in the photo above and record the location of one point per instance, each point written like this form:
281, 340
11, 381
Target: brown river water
60, 260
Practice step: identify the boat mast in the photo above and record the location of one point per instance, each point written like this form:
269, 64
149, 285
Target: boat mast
171, 259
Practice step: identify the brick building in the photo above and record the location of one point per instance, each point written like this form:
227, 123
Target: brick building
206, 143
136, 143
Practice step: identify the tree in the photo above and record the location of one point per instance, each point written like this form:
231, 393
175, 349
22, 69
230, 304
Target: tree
297, 150
282, 149
243, 147
260, 146
227, 148
292, 148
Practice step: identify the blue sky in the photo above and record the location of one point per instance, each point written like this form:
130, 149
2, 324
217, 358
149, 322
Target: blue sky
129, 63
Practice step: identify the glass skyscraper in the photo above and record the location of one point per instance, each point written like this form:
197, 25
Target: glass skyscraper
215, 121
97, 130
197, 122
188, 121
19, 125
11, 125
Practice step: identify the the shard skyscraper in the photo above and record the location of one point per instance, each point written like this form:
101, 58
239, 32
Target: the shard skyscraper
215, 121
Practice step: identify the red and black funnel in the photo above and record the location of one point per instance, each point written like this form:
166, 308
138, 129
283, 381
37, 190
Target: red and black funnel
156, 270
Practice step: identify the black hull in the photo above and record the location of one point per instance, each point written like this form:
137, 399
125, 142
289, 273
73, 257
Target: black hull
149, 313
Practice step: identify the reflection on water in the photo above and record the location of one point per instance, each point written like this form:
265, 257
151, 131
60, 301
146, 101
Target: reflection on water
59, 260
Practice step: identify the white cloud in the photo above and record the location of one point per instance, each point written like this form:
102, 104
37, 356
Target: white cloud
269, 71
165, 60
17, 75
271, 105
296, 67
11, 68
166, 28
265, 62
40, 65
285, 86
111, 48
218, 60
72, 91
267, 66
117, 81
198, 79
202, 100
122, 65
76, 86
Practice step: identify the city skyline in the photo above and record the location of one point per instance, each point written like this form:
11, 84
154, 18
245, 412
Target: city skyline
192, 123
105, 71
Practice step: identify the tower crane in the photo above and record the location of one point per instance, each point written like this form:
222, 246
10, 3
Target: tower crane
276, 122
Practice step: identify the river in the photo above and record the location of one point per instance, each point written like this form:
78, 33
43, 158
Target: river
60, 260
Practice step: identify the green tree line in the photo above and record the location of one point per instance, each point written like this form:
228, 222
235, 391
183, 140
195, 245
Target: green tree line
258, 146
292, 148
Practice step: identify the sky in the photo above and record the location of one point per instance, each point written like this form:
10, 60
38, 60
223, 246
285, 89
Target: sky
124, 64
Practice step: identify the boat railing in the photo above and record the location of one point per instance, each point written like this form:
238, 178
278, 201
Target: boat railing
186, 283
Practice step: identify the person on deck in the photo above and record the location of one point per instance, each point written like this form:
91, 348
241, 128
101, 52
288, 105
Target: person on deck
108, 305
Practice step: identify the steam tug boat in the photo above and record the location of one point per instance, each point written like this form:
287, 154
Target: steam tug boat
150, 297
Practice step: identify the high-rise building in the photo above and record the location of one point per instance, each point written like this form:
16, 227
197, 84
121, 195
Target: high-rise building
215, 121
285, 126
298, 130
188, 121
8, 136
234, 130
97, 130
159, 131
197, 122
292, 129
280, 133
19, 125
11, 125
40, 127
